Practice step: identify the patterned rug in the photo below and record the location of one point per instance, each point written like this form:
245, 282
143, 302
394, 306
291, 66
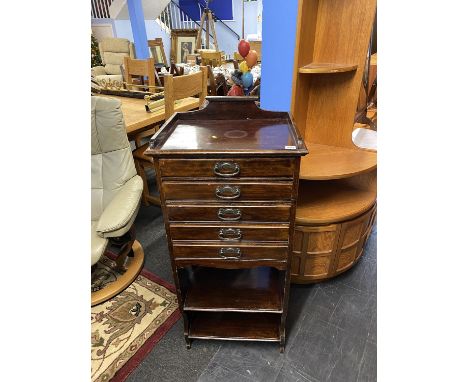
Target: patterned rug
125, 328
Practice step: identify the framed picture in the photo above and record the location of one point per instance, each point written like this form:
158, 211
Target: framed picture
156, 49
182, 44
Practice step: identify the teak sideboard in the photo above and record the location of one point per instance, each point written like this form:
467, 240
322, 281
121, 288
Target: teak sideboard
228, 177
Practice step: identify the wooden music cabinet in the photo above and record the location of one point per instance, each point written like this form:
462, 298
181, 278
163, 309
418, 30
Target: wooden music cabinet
228, 176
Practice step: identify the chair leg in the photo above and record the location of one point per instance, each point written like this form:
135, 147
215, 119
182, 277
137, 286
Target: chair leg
141, 171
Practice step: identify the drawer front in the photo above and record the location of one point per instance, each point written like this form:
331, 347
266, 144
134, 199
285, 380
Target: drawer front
229, 233
227, 191
227, 252
227, 168
228, 214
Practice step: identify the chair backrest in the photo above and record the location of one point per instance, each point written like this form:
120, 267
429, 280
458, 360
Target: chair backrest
217, 85
156, 48
141, 68
113, 51
211, 58
238, 57
111, 155
180, 87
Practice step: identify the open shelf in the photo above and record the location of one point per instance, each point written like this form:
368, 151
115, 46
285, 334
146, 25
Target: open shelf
235, 326
240, 290
333, 162
317, 68
331, 202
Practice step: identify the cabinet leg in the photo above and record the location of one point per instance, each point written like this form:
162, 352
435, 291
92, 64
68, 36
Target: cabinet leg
282, 342
188, 342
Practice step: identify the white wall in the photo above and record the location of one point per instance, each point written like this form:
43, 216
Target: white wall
123, 29
227, 41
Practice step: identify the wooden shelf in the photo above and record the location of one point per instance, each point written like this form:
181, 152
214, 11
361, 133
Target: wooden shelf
324, 68
240, 290
333, 162
331, 202
235, 326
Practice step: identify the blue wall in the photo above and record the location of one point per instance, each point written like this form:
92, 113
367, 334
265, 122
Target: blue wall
279, 40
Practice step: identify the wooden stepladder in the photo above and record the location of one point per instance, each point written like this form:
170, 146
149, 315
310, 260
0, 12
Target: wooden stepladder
207, 20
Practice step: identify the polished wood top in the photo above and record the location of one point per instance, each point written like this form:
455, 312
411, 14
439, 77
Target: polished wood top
333, 162
230, 126
137, 119
327, 68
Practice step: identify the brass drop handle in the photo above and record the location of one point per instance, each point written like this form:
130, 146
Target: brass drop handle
226, 169
229, 214
230, 234
230, 253
228, 192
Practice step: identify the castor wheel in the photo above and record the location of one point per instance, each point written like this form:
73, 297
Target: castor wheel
188, 343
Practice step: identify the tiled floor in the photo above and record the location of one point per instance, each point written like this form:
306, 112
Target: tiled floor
331, 335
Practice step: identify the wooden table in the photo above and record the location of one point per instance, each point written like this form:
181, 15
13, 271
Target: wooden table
137, 119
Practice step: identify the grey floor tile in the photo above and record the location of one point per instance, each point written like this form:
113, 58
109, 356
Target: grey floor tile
290, 374
256, 361
217, 373
368, 367
363, 276
326, 352
170, 361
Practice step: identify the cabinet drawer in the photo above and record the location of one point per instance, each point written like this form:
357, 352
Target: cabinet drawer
227, 191
230, 252
228, 213
227, 168
229, 233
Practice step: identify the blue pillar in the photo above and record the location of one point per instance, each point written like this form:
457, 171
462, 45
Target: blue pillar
137, 20
278, 43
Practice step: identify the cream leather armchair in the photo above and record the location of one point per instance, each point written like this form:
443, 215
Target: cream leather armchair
113, 51
116, 190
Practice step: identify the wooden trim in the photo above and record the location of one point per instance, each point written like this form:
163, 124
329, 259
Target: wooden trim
122, 282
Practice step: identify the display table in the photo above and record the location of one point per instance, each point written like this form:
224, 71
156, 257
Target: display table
137, 119
228, 176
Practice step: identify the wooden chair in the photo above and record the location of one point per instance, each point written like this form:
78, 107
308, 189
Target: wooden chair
175, 88
141, 69
156, 47
211, 58
238, 57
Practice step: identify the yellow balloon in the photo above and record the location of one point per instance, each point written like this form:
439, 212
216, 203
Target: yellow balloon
243, 67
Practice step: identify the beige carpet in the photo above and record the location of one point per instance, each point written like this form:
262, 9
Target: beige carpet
125, 328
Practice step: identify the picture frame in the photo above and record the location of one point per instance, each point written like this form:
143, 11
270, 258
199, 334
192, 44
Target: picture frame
156, 48
182, 44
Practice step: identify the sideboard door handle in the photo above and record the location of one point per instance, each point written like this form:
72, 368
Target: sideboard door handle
226, 169
230, 253
229, 214
230, 234
228, 192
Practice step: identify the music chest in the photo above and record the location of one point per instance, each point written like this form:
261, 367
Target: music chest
228, 178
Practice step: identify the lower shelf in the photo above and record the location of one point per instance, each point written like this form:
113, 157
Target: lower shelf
235, 326
242, 290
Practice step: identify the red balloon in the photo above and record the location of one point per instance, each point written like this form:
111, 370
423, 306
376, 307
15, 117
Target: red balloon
243, 47
251, 58
236, 90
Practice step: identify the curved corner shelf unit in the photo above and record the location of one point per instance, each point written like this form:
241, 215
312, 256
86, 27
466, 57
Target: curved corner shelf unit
331, 202
326, 68
333, 221
332, 162
321, 252
337, 189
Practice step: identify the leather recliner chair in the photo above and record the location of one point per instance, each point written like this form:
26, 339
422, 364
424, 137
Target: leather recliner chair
112, 51
116, 191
